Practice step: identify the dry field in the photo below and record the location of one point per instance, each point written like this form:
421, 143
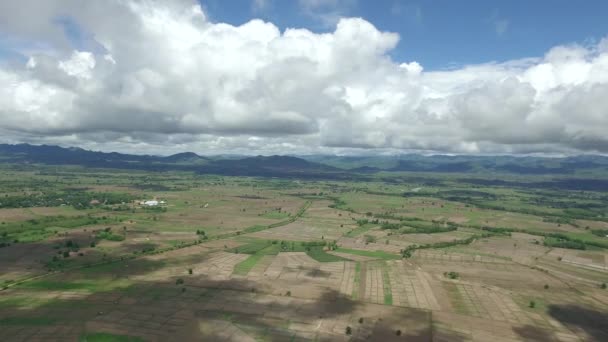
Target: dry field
266, 268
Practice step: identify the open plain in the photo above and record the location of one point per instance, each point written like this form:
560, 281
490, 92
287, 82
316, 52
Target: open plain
257, 259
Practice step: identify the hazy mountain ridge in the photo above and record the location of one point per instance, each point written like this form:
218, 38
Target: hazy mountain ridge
187, 161
305, 166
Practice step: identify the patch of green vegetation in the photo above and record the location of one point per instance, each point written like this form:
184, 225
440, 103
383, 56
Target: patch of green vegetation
255, 228
561, 243
357, 280
314, 249
175, 243
386, 285
600, 232
106, 337
243, 267
108, 235
372, 254
407, 252
75, 197
456, 299
41, 228
360, 230
451, 275
572, 240
319, 254
279, 215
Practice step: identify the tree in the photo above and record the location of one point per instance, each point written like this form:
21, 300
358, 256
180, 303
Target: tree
349, 330
451, 275
189, 271
532, 304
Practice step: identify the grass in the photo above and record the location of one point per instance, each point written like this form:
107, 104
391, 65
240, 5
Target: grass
105, 337
456, 298
319, 254
357, 280
360, 230
279, 215
107, 235
41, 228
259, 248
372, 254
255, 228
386, 284
268, 247
243, 267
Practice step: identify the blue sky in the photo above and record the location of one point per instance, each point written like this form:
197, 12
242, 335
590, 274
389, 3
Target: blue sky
443, 34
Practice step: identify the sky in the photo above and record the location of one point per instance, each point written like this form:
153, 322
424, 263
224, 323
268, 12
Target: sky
306, 76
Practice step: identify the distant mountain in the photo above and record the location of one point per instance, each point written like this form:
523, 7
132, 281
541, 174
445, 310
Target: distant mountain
522, 165
185, 157
317, 166
273, 166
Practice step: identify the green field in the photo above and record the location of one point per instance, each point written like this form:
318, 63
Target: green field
372, 254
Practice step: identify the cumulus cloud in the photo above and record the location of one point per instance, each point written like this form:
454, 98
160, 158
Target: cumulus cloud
160, 77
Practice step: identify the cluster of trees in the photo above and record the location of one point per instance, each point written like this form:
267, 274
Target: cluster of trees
572, 210
202, 234
420, 227
600, 232
107, 234
340, 204
407, 252
38, 229
552, 239
306, 245
292, 218
77, 199
451, 275
363, 222
561, 243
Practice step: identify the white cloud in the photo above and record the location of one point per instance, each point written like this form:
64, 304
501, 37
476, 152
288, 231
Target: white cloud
168, 79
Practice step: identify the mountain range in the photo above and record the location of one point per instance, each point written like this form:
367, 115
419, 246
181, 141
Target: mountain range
310, 166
